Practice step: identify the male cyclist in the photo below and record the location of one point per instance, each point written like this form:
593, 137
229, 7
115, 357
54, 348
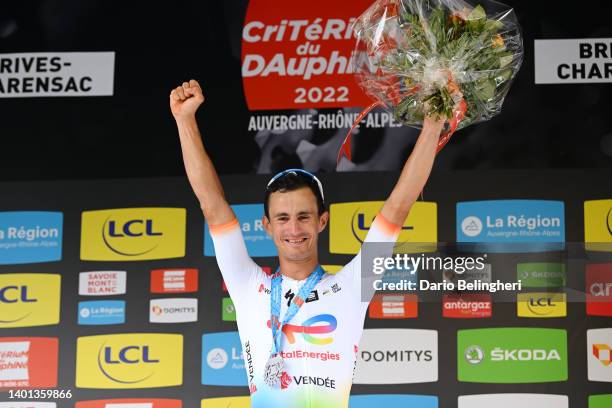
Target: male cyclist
299, 327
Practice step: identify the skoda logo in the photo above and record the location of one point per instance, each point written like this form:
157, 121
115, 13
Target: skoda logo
474, 355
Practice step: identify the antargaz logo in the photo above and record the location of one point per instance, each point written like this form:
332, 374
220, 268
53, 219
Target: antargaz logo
351, 222
135, 360
29, 299
512, 355
133, 234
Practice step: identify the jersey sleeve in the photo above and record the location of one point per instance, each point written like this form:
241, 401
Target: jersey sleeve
239, 271
385, 233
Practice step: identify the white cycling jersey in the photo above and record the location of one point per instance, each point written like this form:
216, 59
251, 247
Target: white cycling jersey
319, 345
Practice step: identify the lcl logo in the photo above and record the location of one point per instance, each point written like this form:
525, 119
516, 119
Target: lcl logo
14, 294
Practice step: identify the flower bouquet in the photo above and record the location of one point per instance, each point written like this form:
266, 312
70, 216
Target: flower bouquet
444, 58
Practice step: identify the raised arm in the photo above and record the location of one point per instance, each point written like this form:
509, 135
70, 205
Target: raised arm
184, 102
414, 174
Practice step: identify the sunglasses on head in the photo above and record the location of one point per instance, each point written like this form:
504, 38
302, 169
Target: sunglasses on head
297, 172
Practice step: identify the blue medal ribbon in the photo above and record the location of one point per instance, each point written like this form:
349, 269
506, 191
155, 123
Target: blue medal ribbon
296, 303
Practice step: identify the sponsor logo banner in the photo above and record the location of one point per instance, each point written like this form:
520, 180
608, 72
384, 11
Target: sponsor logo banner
174, 280
222, 362
257, 240
100, 312
599, 355
57, 74
226, 402
350, 223
513, 400
398, 306
512, 355
541, 274
541, 304
31, 404
573, 61
102, 283
304, 54
130, 360
600, 401
30, 237
397, 356
131, 403
528, 225
467, 306
598, 225
29, 299
599, 289
393, 400
332, 269
471, 275
133, 234
177, 310
228, 310
28, 362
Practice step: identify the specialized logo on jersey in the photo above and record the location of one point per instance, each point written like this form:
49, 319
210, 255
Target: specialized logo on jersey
131, 360
599, 289
541, 304
350, 223
174, 280
29, 299
598, 225
311, 329
28, 362
131, 403
30, 237
133, 234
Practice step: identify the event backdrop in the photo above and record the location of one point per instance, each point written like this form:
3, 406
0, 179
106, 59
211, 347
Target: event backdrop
84, 89
108, 292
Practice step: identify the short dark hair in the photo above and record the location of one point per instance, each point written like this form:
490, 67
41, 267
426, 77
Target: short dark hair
291, 181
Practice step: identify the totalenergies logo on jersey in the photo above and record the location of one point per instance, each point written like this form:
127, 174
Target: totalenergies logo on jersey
29, 299
351, 222
133, 360
303, 53
133, 234
311, 328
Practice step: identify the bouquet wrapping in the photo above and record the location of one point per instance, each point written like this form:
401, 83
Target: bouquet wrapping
444, 58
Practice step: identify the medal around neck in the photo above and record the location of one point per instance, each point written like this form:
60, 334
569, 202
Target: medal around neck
274, 370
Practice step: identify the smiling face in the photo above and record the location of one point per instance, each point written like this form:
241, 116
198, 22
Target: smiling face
295, 224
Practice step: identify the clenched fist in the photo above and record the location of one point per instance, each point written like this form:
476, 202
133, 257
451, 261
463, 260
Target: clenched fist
185, 99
